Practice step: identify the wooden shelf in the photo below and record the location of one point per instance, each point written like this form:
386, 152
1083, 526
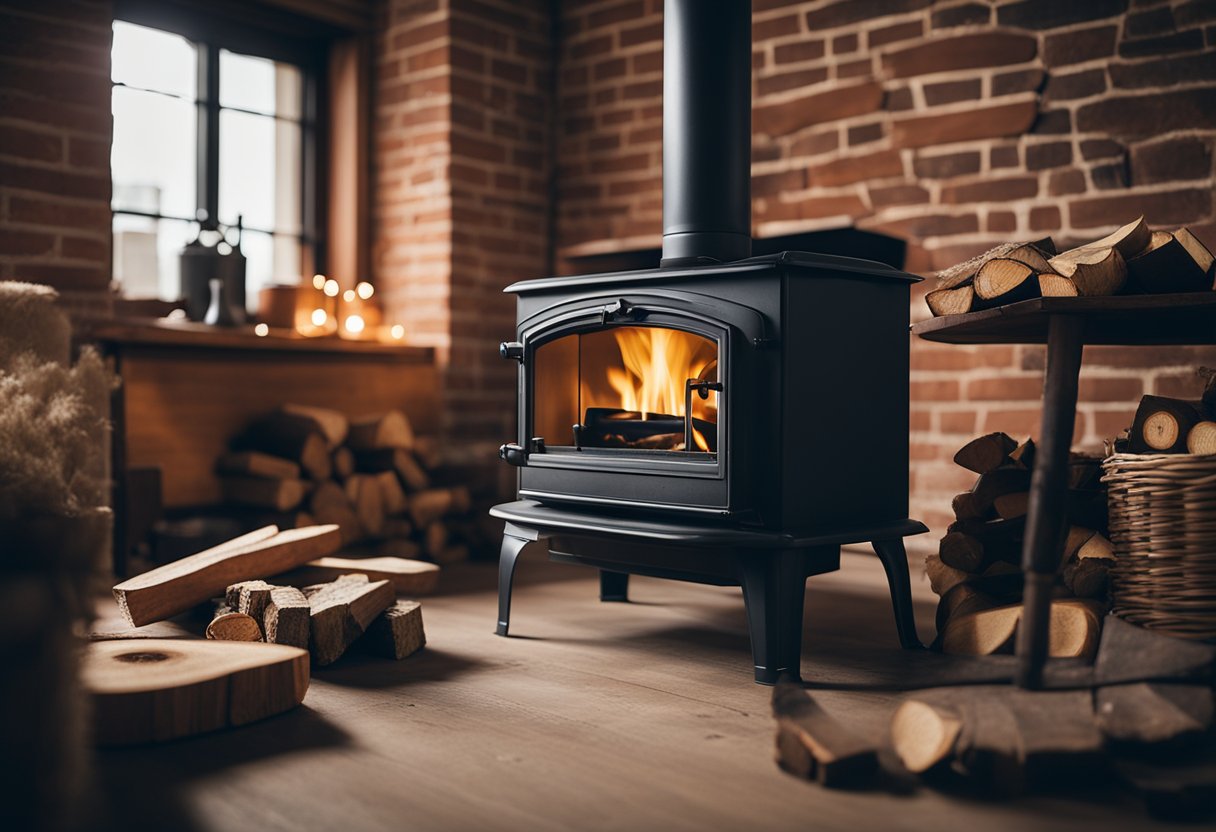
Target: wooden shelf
163, 333
1125, 320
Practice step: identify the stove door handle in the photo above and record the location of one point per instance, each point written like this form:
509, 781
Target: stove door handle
513, 454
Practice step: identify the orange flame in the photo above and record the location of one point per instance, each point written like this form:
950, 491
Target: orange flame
657, 363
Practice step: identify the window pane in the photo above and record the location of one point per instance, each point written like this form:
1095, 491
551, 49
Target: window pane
259, 84
152, 161
153, 60
146, 255
259, 172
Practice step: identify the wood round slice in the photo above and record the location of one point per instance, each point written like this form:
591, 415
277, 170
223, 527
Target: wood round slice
923, 736
234, 626
151, 690
1202, 438
1161, 430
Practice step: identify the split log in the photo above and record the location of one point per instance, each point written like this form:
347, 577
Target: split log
327, 495
973, 546
1000, 736
385, 430
1055, 286
249, 597
429, 452
1012, 506
258, 464
961, 600
1202, 438
392, 496
234, 626
286, 617
986, 453
996, 482
1198, 251
1001, 281
1167, 265
291, 437
956, 301
942, 577
330, 505
395, 459
331, 424
280, 495
1023, 455
1129, 240
365, 496
428, 506
1075, 628
434, 539
813, 745
1088, 578
1153, 713
963, 506
395, 633
408, 577
1035, 255
1161, 425
1094, 271
965, 272
342, 611
398, 527
343, 463
178, 586
1131, 653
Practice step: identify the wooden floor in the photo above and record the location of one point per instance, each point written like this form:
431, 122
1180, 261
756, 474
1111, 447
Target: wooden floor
592, 716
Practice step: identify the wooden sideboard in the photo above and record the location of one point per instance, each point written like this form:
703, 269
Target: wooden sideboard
187, 389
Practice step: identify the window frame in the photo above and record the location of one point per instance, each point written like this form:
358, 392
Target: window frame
247, 29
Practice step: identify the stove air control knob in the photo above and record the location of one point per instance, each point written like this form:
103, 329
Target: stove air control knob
511, 349
513, 454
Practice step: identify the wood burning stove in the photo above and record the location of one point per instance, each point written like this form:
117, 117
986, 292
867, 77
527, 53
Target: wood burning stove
730, 419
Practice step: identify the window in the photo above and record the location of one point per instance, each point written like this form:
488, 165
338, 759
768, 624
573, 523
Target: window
207, 136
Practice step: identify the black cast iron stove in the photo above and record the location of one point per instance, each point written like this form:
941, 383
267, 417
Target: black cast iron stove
722, 418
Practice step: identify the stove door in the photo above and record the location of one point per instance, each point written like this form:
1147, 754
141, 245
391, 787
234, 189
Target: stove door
626, 401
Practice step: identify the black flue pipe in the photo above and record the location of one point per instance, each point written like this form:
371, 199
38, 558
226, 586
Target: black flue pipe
707, 138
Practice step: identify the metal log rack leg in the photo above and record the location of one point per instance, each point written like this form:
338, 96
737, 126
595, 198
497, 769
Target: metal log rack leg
1045, 526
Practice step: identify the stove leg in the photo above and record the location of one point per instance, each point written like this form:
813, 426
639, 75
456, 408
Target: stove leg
895, 561
774, 587
614, 586
511, 547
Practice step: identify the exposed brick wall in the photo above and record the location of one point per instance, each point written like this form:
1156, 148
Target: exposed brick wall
55, 128
954, 125
462, 108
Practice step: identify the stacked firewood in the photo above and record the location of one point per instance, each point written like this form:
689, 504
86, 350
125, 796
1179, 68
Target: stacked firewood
1173, 426
977, 571
1132, 260
372, 477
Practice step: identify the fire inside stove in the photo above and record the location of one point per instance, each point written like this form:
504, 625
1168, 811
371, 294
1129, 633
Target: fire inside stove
633, 387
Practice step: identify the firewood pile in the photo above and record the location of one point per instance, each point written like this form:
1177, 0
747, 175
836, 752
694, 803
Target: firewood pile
314, 608
977, 570
1141, 716
371, 477
1173, 426
1132, 260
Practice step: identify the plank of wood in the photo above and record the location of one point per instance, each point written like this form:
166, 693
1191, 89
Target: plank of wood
395, 633
286, 617
1149, 713
342, 611
811, 744
153, 690
234, 626
408, 577
176, 587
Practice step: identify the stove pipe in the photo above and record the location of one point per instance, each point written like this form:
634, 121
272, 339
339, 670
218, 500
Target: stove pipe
707, 138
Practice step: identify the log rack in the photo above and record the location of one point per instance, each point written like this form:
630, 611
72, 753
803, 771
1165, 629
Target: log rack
1066, 325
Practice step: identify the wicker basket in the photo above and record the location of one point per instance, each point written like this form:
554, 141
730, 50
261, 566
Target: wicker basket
1163, 527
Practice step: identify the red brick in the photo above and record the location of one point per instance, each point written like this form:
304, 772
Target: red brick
920, 420
949, 92
34, 145
885, 197
991, 190
1172, 159
1110, 389
831, 105
932, 225
866, 133
1002, 222
978, 123
970, 51
958, 421
15, 243
56, 213
896, 32
1079, 45
1004, 156
1101, 149
1022, 422
618, 13
54, 181
844, 12
861, 68
815, 143
1085, 84
946, 165
1141, 357
1165, 208
84, 248
64, 277
647, 33
940, 390
775, 27
781, 81
1172, 43
964, 15
807, 50
774, 183
849, 169
1045, 218
1169, 71
845, 43
1178, 385
957, 358
1041, 156
1110, 423
1150, 114
1050, 14
1065, 182
1005, 388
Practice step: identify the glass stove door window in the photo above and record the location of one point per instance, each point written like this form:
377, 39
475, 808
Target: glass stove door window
628, 387
159, 158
